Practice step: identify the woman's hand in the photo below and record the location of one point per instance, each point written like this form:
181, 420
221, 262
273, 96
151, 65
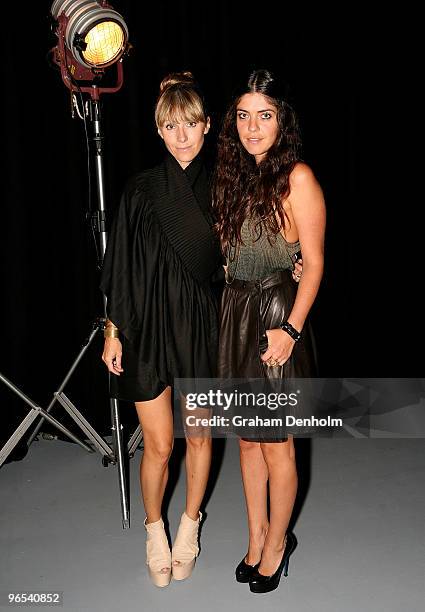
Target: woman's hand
112, 353
298, 270
280, 347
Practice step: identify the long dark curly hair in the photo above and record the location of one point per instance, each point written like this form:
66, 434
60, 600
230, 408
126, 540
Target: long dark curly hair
241, 188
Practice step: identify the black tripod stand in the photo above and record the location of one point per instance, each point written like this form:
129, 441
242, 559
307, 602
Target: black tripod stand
115, 454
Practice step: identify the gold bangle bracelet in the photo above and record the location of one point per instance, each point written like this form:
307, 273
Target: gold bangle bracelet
111, 332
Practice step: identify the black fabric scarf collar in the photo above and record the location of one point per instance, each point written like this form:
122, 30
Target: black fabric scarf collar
181, 200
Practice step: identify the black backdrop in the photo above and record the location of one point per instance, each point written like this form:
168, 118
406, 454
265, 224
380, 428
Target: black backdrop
49, 277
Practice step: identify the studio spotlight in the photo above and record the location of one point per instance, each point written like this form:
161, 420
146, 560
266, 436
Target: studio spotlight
91, 37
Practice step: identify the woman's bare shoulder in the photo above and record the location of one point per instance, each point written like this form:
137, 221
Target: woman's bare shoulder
301, 175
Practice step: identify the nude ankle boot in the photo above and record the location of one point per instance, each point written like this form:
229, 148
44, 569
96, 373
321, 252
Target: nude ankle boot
158, 555
185, 548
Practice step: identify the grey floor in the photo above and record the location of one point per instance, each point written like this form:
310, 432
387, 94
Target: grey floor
361, 540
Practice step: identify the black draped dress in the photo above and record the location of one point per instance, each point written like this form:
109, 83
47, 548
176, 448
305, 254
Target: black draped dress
160, 275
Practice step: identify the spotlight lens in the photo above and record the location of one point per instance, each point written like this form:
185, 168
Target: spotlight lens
105, 42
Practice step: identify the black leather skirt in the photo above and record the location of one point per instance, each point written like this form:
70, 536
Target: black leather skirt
248, 309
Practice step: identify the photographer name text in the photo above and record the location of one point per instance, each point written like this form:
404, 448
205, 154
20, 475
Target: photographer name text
239, 421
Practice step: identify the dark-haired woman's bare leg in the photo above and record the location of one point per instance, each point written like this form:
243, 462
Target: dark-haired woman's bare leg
283, 482
254, 477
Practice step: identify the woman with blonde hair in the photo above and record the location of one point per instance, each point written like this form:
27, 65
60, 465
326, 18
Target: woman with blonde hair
160, 266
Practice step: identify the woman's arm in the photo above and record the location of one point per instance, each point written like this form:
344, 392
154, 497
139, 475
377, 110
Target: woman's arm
308, 212
112, 351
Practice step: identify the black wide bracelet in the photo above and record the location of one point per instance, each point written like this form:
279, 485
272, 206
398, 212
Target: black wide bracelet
295, 335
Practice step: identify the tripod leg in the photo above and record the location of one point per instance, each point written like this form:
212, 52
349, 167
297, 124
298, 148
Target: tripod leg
102, 446
135, 440
68, 375
17, 434
22, 428
26, 423
119, 454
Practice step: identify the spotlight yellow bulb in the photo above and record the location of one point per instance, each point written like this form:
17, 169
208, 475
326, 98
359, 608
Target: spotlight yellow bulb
104, 43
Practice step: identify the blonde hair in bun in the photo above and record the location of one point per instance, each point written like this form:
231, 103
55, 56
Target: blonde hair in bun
175, 77
179, 98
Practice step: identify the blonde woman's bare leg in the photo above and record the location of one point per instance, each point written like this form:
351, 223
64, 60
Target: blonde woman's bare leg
198, 457
283, 482
254, 477
156, 419
198, 463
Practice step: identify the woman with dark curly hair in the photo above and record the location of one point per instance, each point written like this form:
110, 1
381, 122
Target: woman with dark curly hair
268, 207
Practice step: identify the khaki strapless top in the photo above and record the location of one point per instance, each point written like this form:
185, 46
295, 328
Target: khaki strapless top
256, 258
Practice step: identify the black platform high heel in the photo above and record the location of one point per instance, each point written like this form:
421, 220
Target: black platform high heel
264, 584
244, 572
